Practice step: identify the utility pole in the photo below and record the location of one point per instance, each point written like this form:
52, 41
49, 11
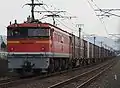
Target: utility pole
32, 10
79, 26
94, 46
3, 45
32, 4
80, 42
101, 49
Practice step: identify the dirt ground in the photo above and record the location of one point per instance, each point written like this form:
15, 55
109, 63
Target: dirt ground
110, 79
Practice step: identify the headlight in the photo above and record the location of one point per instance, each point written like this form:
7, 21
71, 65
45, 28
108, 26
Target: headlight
42, 48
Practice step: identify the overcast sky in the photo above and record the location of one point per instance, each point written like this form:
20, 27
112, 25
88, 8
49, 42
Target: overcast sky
12, 9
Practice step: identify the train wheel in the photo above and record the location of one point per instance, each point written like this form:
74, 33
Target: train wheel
63, 64
80, 62
36, 71
60, 64
51, 66
88, 61
20, 71
66, 63
84, 62
56, 64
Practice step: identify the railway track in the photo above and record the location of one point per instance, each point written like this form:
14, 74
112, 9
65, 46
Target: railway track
83, 80
5, 80
5, 83
64, 75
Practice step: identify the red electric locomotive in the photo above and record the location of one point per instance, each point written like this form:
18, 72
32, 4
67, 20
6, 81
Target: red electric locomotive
34, 46
38, 46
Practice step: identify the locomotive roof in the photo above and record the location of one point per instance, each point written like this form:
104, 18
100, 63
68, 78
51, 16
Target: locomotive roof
28, 25
35, 25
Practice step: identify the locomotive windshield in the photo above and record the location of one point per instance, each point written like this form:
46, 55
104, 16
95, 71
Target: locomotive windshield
28, 32
38, 32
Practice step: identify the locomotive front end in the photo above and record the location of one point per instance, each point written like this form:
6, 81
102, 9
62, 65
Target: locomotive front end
28, 47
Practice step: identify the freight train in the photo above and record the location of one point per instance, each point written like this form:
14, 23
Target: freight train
37, 47
44, 47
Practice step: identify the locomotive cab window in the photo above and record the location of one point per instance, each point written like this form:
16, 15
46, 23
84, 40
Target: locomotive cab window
16, 32
41, 32
28, 32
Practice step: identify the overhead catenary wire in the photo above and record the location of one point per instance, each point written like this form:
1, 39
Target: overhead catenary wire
58, 20
106, 11
62, 21
98, 17
102, 22
72, 23
66, 26
103, 10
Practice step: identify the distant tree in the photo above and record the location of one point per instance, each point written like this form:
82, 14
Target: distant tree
3, 45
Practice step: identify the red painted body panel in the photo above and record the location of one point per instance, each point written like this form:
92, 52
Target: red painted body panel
60, 41
31, 45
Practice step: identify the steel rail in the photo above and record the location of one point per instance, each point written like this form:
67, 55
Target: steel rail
73, 79
86, 83
14, 82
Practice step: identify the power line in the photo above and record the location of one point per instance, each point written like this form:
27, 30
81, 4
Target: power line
108, 9
67, 12
102, 22
108, 13
66, 26
57, 16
